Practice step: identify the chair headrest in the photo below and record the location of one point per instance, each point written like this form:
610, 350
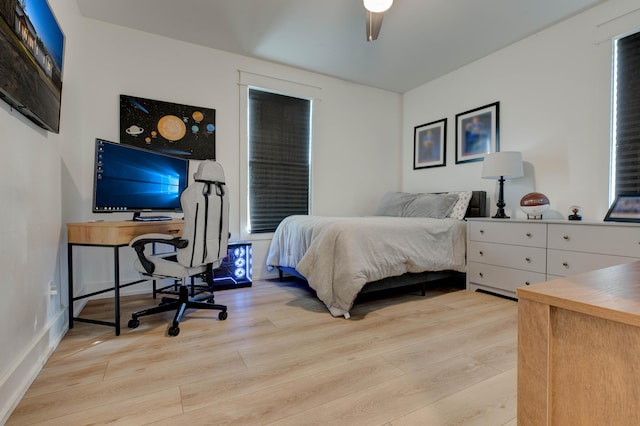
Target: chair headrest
209, 171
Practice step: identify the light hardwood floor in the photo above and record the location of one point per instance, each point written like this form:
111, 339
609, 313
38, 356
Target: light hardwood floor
280, 359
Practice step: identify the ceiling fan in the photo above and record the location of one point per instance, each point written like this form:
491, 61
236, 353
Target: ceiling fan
375, 13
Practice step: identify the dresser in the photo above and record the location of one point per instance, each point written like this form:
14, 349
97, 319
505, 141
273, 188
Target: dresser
504, 254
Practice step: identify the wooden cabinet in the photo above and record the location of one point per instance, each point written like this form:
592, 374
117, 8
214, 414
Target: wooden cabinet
578, 361
504, 254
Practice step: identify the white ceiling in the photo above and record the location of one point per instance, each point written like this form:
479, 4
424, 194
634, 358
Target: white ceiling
420, 40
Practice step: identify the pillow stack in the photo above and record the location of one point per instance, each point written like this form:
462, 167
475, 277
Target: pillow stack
437, 206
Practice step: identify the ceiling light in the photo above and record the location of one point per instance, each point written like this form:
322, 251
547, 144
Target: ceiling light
377, 6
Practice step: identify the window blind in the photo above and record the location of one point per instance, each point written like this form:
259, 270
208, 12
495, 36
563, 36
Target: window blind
279, 153
627, 115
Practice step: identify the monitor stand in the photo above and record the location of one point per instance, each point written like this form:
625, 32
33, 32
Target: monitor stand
139, 218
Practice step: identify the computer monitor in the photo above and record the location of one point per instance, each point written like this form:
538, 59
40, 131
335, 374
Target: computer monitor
130, 179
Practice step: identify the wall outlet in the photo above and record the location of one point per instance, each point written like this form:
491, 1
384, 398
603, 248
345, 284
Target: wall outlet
53, 288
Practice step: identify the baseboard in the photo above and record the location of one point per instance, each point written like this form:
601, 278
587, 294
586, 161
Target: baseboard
16, 382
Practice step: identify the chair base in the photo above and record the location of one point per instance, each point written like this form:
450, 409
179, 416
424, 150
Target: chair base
180, 305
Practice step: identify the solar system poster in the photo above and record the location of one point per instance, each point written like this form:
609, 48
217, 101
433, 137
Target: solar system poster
180, 130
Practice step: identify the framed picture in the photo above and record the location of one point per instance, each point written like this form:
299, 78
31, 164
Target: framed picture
477, 133
181, 130
625, 208
430, 144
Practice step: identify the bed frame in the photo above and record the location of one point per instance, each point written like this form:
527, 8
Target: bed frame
477, 208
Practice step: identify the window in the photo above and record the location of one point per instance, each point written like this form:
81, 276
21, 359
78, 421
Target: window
626, 116
279, 146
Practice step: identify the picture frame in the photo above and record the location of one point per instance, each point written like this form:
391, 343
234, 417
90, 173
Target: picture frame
477, 133
184, 131
625, 208
430, 144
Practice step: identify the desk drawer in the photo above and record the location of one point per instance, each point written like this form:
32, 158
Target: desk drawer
519, 257
505, 232
502, 278
562, 263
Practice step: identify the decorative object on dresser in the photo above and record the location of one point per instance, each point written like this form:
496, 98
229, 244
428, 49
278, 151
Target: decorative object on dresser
534, 204
506, 254
576, 213
501, 166
625, 208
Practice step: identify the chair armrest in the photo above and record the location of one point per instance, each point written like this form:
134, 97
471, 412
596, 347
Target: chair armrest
139, 243
153, 238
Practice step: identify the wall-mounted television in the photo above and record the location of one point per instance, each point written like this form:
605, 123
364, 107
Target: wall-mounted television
31, 58
131, 179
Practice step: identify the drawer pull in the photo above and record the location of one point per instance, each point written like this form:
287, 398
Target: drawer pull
527, 283
528, 259
173, 231
482, 231
565, 264
481, 275
528, 234
481, 253
566, 237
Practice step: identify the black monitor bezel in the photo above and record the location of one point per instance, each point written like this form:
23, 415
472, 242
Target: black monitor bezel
128, 209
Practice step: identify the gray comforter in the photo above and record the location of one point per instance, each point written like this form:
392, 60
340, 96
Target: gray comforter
338, 256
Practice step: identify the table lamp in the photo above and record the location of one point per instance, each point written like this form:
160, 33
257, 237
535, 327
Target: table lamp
501, 166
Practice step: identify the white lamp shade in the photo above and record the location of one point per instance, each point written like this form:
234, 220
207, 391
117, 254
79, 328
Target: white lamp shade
507, 164
377, 6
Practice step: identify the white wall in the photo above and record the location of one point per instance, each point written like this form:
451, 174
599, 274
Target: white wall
32, 170
47, 178
554, 92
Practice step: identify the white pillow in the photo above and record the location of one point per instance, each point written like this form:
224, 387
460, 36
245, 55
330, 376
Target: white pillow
460, 208
437, 206
394, 203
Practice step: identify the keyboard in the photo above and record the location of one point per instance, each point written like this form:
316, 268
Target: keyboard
151, 218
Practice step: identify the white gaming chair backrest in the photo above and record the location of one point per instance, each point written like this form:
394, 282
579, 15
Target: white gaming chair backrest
205, 206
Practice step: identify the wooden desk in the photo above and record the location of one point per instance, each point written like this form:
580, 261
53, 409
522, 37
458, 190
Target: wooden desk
579, 349
115, 235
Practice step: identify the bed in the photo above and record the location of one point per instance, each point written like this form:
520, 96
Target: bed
412, 238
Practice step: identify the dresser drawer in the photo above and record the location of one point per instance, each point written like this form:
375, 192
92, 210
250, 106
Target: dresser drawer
604, 239
563, 263
502, 278
505, 232
511, 256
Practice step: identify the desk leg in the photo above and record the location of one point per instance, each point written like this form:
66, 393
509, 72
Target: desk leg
116, 284
70, 282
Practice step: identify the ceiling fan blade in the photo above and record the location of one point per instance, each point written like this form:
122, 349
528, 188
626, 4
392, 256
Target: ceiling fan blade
374, 22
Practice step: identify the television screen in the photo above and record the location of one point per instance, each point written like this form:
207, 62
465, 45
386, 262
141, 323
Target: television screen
130, 179
31, 57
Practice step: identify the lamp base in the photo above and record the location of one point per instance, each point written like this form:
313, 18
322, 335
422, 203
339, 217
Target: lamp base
500, 215
500, 212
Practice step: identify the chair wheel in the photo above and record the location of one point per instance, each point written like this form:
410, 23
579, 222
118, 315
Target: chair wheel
173, 331
133, 323
222, 315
